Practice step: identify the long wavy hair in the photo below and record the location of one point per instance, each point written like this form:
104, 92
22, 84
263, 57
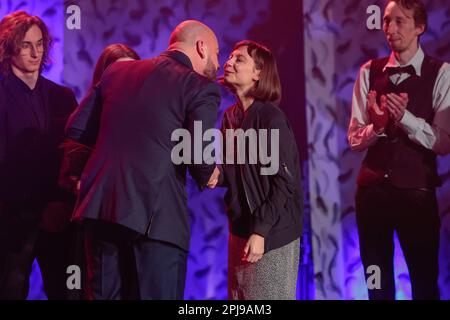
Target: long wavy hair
13, 28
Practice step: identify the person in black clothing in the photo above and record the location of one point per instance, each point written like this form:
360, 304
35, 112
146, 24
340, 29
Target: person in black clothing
264, 203
34, 211
132, 197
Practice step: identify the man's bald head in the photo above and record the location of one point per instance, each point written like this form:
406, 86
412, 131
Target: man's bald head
199, 43
187, 32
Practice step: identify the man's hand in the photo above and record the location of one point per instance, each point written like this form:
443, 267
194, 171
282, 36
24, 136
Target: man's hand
397, 105
378, 115
214, 178
254, 249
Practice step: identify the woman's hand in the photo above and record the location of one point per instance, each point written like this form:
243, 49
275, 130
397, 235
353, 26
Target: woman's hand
254, 249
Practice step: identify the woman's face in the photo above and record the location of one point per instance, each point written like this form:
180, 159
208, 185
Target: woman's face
240, 70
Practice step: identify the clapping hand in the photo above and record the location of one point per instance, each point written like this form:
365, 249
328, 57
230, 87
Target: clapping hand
396, 105
379, 115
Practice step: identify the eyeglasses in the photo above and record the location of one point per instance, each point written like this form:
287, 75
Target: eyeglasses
27, 47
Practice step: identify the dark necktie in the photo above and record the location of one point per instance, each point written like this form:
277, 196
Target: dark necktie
407, 69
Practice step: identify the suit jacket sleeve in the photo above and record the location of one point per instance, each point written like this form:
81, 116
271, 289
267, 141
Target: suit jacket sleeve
203, 107
223, 181
81, 134
83, 123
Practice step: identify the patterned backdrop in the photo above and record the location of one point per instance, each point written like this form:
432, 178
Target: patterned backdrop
337, 43
145, 25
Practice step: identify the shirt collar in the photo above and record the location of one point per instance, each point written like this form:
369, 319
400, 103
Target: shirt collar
18, 83
416, 61
179, 56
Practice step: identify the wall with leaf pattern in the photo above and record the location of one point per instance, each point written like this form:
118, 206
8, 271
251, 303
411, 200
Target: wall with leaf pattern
337, 43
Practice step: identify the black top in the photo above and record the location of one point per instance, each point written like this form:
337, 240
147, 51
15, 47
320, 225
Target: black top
31, 129
236, 204
34, 98
268, 205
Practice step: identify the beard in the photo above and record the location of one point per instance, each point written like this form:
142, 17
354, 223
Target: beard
210, 70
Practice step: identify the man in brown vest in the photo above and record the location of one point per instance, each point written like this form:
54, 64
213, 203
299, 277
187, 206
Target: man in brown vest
401, 115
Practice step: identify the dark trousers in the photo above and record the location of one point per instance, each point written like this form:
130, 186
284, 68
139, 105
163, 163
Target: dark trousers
21, 242
124, 265
55, 251
382, 209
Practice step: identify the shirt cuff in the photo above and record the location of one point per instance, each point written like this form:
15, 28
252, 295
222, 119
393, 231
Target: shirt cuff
409, 123
372, 133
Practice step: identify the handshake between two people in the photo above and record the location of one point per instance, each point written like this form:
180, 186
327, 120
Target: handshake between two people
392, 106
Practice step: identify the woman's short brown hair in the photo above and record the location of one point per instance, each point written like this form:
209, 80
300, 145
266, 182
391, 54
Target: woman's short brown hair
112, 53
13, 28
268, 87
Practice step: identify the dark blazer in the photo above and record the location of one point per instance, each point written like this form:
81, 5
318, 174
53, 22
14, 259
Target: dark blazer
272, 204
29, 151
130, 178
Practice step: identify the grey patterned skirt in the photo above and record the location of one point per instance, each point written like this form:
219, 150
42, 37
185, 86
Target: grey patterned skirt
274, 277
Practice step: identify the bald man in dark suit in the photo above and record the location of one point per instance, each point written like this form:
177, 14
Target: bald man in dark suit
132, 197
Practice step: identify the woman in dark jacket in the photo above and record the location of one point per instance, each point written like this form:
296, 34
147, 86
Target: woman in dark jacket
264, 197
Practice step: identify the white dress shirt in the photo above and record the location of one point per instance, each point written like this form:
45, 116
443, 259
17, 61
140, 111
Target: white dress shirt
436, 136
